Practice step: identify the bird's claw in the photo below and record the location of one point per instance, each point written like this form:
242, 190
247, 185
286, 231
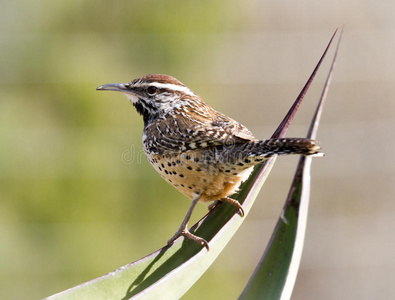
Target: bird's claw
187, 234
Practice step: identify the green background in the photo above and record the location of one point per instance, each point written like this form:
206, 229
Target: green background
78, 198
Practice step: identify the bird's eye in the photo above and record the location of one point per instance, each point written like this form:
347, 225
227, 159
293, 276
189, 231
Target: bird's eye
151, 90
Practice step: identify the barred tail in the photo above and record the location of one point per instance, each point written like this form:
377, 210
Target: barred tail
284, 146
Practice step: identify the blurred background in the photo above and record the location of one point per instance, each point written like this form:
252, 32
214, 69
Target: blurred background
78, 198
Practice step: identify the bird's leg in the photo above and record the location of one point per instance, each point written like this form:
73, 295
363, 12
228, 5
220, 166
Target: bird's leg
229, 200
183, 230
234, 203
214, 205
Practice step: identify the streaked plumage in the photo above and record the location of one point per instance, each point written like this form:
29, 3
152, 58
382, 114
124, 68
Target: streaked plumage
201, 152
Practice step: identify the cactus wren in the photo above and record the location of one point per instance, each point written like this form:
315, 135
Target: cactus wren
201, 152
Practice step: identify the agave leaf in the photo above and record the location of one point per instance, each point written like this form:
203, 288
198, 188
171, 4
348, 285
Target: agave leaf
172, 270
275, 275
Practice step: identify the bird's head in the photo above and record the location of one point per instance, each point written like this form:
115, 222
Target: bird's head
153, 95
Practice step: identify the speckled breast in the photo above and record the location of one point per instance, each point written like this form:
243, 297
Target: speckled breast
198, 174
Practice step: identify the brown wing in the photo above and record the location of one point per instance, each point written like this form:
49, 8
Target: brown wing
184, 131
237, 131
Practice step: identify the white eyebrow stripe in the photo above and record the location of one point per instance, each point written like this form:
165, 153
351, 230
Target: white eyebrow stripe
169, 86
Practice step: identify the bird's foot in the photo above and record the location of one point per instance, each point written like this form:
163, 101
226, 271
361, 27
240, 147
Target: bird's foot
183, 231
234, 203
229, 200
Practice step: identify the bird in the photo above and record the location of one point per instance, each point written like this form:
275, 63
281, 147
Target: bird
203, 153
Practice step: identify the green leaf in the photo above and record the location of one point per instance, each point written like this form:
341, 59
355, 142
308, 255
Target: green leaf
275, 275
172, 270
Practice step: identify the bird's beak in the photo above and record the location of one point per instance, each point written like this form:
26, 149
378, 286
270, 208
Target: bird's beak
120, 87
